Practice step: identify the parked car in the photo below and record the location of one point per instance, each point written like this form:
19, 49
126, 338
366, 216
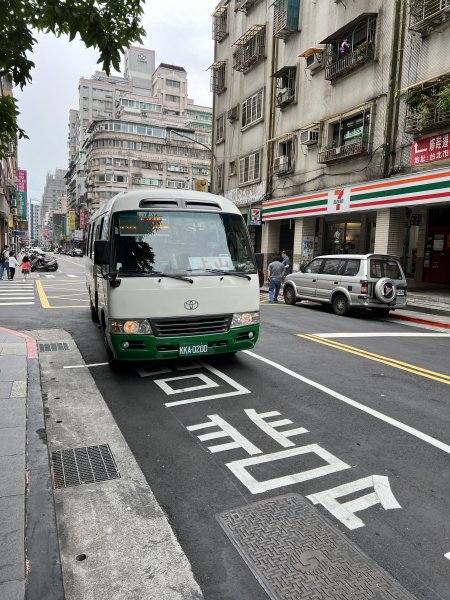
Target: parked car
349, 281
77, 252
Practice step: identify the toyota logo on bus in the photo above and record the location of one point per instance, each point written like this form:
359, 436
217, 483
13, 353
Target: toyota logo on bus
191, 304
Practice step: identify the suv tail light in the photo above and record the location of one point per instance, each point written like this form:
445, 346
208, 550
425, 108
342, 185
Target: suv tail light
364, 288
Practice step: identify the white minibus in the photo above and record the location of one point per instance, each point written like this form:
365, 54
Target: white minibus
171, 273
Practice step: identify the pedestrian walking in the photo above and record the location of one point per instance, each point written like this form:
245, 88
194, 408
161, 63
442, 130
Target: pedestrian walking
12, 264
285, 261
26, 267
4, 262
274, 276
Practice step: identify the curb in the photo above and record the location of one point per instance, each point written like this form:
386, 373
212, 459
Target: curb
421, 321
43, 575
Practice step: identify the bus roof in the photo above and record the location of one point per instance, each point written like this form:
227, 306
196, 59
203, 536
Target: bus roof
130, 200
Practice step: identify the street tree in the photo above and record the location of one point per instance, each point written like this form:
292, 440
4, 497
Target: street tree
107, 25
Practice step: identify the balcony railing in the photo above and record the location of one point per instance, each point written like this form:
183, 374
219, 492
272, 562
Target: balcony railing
426, 14
418, 121
359, 147
336, 67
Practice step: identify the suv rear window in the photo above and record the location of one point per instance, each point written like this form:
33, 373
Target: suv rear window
382, 267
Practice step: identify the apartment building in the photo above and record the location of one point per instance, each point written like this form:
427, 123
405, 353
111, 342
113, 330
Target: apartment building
333, 120
55, 187
147, 133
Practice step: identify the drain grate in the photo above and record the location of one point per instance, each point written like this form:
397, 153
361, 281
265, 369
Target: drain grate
295, 552
53, 346
89, 464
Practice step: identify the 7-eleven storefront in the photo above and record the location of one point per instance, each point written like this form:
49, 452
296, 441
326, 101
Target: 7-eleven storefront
407, 216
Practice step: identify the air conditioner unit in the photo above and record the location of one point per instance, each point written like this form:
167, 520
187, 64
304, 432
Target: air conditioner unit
284, 96
13, 210
143, 113
314, 61
281, 164
232, 114
308, 137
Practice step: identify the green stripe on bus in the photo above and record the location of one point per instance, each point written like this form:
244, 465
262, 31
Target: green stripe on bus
402, 190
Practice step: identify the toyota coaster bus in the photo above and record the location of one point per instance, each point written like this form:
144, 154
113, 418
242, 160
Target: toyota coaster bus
171, 273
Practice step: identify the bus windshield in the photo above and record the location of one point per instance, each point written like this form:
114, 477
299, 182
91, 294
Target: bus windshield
180, 243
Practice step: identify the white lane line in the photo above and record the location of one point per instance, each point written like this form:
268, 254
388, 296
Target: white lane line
447, 555
48, 276
375, 413
370, 335
68, 275
85, 366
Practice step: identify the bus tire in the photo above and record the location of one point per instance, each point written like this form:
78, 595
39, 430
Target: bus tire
114, 364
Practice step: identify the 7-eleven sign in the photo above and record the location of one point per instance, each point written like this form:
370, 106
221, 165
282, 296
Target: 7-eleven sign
338, 199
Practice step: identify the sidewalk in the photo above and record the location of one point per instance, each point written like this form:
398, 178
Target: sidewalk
29, 555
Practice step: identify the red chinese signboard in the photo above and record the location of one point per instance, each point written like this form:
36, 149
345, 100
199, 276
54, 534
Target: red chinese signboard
431, 149
83, 219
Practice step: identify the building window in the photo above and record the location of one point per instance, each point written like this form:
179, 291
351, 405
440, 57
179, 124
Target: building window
252, 109
284, 154
178, 168
249, 168
286, 83
348, 136
218, 81
172, 98
146, 181
220, 128
285, 18
428, 106
220, 23
172, 83
350, 47
177, 184
232, 168
250, 49
200, 171
426, 14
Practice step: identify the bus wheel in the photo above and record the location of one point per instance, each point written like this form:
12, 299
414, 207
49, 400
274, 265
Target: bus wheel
112, 361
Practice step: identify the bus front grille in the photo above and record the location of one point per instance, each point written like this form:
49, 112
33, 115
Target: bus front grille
191, 326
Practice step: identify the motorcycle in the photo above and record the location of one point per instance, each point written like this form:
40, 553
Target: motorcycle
41, 262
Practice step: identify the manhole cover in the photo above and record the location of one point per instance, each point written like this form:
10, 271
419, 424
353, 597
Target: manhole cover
89, 464
294, 552
53, 346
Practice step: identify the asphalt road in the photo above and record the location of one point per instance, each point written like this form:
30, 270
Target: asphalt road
335, 409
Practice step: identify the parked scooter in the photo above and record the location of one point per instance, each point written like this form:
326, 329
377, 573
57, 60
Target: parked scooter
42, 262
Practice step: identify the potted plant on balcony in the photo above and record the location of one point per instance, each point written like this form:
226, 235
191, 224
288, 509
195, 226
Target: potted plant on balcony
421, 104
442, 101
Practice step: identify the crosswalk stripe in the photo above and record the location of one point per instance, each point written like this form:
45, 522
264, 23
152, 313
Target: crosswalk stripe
47, 275
15, 303
18, 298
68, 275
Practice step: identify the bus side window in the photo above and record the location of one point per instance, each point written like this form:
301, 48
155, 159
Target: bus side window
105, 230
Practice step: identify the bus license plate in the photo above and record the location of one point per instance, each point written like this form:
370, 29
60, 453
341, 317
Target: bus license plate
192, 349
400, 292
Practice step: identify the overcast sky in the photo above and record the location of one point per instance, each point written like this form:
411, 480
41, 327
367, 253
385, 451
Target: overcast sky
178, 30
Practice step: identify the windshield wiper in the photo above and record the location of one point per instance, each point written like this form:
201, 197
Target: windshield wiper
235, 273
158, 274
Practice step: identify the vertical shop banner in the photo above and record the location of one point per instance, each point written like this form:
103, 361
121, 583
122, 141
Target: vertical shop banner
71, 220
83, 219
22, 192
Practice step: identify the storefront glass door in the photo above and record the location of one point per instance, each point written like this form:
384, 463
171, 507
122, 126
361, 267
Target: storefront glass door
342, 238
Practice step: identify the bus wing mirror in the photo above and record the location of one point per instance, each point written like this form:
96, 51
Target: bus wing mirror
101, 252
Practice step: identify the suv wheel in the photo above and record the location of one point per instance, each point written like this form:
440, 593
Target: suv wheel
289, 295
385, 290
340, 305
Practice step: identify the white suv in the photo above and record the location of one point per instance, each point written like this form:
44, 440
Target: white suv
349, 281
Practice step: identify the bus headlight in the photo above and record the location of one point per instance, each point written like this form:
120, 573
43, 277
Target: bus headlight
137, 326
246, 318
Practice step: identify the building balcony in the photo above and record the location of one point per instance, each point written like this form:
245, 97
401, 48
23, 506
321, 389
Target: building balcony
418, 122
357, 148
425, 15
337, 67
285, 18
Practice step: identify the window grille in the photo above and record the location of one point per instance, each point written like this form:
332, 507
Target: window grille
285, 18
426, 14
250, 48
220, 128
245, 5
286, 83
347, 136
218, 72
218, 184
350, 47
220, 23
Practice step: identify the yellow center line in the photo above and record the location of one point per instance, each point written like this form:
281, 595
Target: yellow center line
42, 296
391, 362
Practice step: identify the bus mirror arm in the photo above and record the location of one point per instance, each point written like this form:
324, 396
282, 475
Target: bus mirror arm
111, 277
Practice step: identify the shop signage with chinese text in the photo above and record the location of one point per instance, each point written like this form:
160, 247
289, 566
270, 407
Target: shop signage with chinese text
431, 149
